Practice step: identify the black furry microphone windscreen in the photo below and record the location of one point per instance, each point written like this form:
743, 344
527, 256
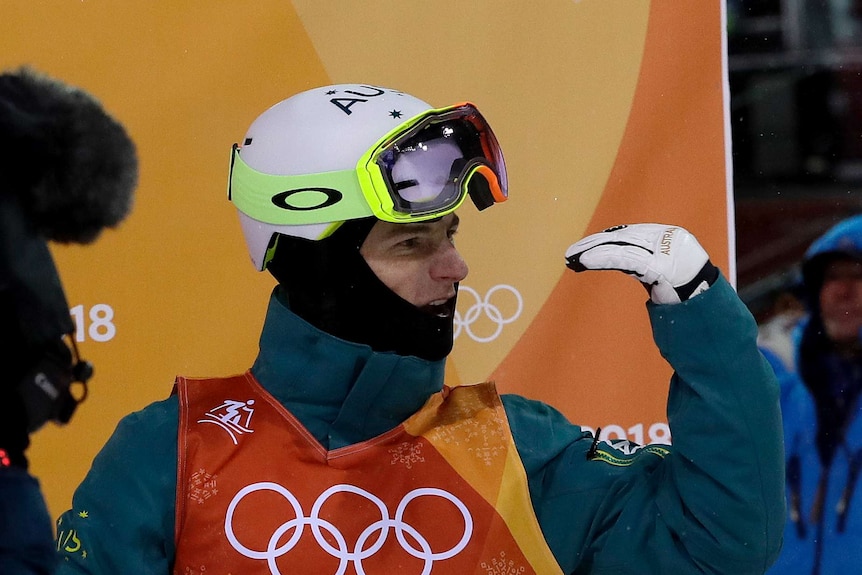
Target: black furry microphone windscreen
71, 166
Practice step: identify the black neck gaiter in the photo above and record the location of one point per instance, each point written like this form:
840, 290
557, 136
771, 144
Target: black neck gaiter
328, 284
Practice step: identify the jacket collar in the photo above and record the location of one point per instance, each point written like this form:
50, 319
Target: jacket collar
342, 392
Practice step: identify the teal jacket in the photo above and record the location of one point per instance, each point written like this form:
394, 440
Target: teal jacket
713, 503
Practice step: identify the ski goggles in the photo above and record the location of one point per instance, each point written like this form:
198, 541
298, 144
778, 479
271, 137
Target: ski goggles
422, 170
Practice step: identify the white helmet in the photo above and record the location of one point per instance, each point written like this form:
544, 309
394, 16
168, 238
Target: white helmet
328, 154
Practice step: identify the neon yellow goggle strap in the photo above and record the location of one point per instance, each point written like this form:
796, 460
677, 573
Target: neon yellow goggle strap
295, 200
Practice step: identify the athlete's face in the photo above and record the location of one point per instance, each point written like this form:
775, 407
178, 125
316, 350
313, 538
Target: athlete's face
419, 262
841, 300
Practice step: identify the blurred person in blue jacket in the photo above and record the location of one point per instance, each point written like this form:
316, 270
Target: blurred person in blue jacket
820, 394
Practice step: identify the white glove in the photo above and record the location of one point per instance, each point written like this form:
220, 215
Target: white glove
667, 260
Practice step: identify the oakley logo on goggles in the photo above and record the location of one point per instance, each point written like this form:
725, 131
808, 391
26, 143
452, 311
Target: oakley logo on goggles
422, 170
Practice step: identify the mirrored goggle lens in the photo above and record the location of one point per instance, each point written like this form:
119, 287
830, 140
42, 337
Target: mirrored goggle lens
430, 168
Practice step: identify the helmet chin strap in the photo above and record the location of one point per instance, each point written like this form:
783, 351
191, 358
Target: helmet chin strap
329, 285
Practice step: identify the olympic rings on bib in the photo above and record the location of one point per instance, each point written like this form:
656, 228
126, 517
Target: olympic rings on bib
364, 546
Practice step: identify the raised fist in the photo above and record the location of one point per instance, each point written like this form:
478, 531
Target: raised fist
667, 259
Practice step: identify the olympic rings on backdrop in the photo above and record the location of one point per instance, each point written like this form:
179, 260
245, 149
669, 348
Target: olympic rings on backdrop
343, 553
491, 311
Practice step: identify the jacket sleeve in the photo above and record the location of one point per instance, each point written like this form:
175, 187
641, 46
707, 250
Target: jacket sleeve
122, 516
711, 503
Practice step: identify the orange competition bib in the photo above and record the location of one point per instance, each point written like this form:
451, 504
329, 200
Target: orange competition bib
443, 493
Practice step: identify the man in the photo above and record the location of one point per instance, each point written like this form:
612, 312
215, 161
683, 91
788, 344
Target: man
820, 404
341, 450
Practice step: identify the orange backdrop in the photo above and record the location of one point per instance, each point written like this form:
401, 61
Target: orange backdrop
609, 111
